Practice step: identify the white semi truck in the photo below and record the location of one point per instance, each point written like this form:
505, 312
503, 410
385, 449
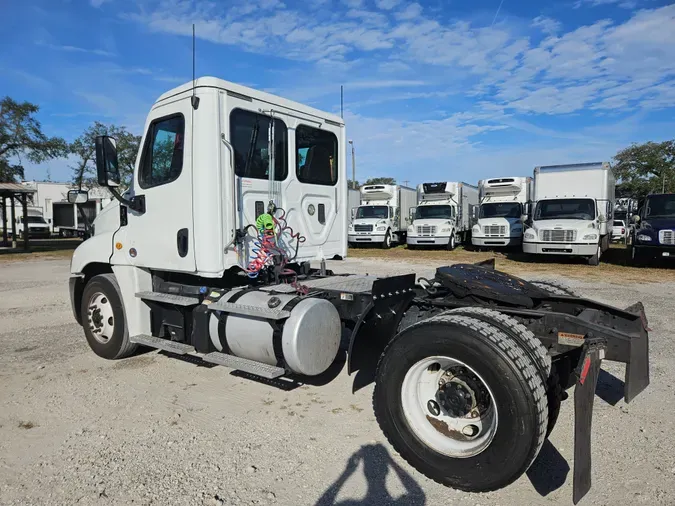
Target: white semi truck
382, 215
444, 215
504, 205
235, 193
573, 211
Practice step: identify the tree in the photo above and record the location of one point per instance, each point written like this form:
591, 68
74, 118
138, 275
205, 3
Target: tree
644, 168
353, 184
381, 180
21, 136
84, 149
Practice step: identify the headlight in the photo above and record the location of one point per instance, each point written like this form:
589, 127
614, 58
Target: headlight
446, 229
590, 237
411, 229
381, 229
476, 229
644, 238
529, 235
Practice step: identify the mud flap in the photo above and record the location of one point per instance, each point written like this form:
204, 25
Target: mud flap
584, 393
637, 368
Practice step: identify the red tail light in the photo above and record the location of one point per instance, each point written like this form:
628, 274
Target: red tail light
623, 230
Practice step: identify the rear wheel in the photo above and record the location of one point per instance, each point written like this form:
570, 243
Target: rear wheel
104, 320
462, 402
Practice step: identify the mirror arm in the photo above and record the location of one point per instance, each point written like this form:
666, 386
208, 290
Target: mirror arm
135, 204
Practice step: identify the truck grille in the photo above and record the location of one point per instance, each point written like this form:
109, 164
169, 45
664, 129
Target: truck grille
363, 228
558, 235
495, 230
426, 230
667, 237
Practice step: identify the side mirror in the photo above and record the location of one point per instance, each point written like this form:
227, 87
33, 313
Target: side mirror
106, 161
411, 214
474, 212
78, 196
636, 219
353, 212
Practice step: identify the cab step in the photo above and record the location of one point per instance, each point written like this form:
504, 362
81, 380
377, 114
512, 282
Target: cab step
245, 365
254, 311
162, 344
169, 298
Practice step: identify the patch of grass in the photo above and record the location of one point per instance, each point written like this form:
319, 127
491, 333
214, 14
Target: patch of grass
35, 254
614, 265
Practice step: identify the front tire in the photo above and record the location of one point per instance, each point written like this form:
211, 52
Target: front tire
425, 439
452, 244
595, 259
103, 318
386, 244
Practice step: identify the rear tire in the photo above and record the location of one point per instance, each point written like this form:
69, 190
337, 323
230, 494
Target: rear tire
103, 318
514, 386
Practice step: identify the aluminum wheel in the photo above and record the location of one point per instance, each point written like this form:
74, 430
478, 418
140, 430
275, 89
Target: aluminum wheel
449, 407
100, 317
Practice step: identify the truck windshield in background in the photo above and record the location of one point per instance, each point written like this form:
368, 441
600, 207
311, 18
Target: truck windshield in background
378, 212
433, 212
501, 210
661, 206
565, 209
35, 219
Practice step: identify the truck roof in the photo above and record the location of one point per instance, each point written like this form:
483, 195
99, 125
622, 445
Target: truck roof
574, 166
221, 84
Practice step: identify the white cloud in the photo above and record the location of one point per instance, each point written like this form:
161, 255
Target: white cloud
387, 4
98, 3
546, 24
74, 49
412, 11
624, 4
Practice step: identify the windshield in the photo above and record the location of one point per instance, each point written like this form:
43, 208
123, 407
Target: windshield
565, 209
35, 219
618, 223
501, 210
379, 212
661, 206
434, 212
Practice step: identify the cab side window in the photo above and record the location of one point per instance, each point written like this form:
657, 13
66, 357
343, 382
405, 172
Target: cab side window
316, 156
250, 136
163, 152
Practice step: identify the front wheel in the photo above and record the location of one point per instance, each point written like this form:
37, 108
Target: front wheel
103, 318
595, 259
452, 243
386, 244
462, 402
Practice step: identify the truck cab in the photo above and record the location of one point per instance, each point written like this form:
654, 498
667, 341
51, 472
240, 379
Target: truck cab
374, 219
504, 205
653, 235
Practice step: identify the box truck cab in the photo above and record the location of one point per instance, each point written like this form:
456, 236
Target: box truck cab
653, 235
504, 205
572, 212
380, 219
443, 216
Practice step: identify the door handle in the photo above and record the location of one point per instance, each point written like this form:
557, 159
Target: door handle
182, 242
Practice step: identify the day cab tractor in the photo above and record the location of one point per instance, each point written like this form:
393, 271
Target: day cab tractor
235, 193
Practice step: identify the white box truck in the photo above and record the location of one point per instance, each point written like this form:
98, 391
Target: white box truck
444, 215
382, 216
572, 212
504, 206
38, 227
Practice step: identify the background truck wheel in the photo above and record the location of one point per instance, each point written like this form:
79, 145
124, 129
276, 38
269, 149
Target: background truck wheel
462, 402
386, 244
452, 243
103, 318
595, 259
636, 256
554, 287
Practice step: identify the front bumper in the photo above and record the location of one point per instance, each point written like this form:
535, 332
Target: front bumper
365, 238
428, 241
556, 248
496, 241
655, 250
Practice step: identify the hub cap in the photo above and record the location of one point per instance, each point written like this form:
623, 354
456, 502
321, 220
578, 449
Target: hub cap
100, 317
449, 407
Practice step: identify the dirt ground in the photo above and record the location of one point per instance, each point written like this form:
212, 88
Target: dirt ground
152, 429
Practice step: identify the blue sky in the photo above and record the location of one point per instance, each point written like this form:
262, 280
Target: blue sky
439, 90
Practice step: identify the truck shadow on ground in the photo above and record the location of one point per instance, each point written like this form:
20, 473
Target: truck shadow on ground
549, 470
616, 255
377, 463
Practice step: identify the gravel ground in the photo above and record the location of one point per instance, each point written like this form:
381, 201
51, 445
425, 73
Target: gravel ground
76, 429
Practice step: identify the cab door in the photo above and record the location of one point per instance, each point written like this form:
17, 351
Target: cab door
162, 236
